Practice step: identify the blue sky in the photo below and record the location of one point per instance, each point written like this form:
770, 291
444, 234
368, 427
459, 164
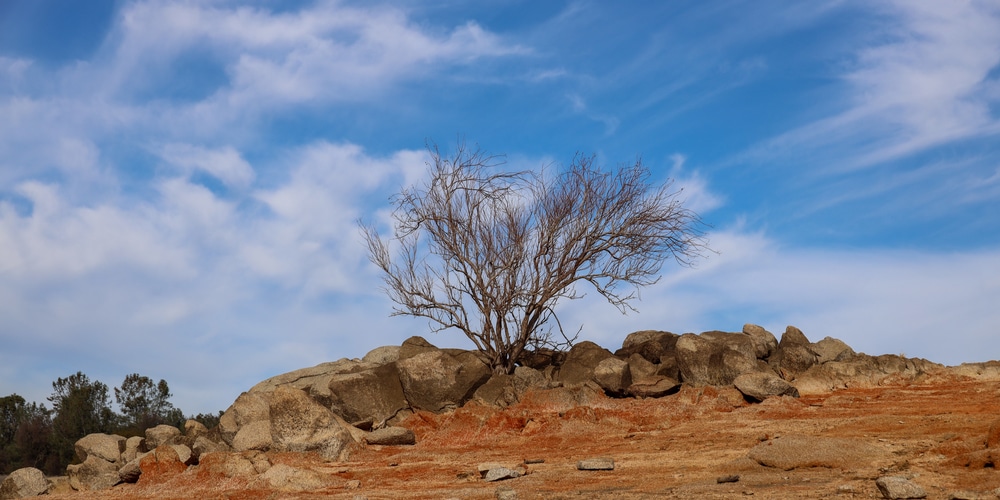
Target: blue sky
180, 180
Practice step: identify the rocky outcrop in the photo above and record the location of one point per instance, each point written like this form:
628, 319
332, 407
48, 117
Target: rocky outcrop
24, 483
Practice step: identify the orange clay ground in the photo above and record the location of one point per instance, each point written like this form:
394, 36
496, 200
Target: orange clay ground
673, 447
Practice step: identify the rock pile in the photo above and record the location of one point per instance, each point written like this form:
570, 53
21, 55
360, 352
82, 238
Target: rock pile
336, 407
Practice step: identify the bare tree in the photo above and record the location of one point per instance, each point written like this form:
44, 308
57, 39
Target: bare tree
490, 252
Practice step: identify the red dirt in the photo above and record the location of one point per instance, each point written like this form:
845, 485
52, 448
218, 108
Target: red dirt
672, 447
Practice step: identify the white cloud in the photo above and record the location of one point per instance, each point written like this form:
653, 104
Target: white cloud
225, 164
926, 82
327, 52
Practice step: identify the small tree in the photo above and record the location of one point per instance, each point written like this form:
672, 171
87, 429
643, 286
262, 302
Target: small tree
145, 404
490, 252
80, 407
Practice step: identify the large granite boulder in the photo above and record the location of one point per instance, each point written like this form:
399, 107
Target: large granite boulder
413, 346
613, 375
763, 341
715, 358
92, 474
249, 408
794, 355
759, 386
160, 435
107, 447
300, 424
582, 359
24, 483
435, 380
373, 395
650, 344
831, 349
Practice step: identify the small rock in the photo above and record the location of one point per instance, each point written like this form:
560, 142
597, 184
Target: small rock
727, 479
895, 487
531, 461
596, 464
353, 484
392, 436
964, 495
501, 473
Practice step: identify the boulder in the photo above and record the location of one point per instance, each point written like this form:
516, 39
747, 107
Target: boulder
248, 408
650, 344
762, 385
794, 355
715, 358
668, 366
203, 445
93, 474
613, 375
895, 487
392, 436
130, 472
160, 465
194, 428
655, 386
532, 378
23, 483
413, 346
578, 369
541, 358
763, 341
161, 435
253, 436
383, 355
104, 446
184, 453
500, 391
640, 367
300, 424
436, 381
831, 349
371, 395
134, 446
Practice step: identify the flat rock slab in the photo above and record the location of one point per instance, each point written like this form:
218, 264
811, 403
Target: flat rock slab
792, 452
501, 473
596, 464
894, 487
392, 436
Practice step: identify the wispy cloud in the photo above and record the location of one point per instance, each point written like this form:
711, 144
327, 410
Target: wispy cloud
927, 81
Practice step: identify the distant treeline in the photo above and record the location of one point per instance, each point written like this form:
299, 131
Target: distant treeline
32, 435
